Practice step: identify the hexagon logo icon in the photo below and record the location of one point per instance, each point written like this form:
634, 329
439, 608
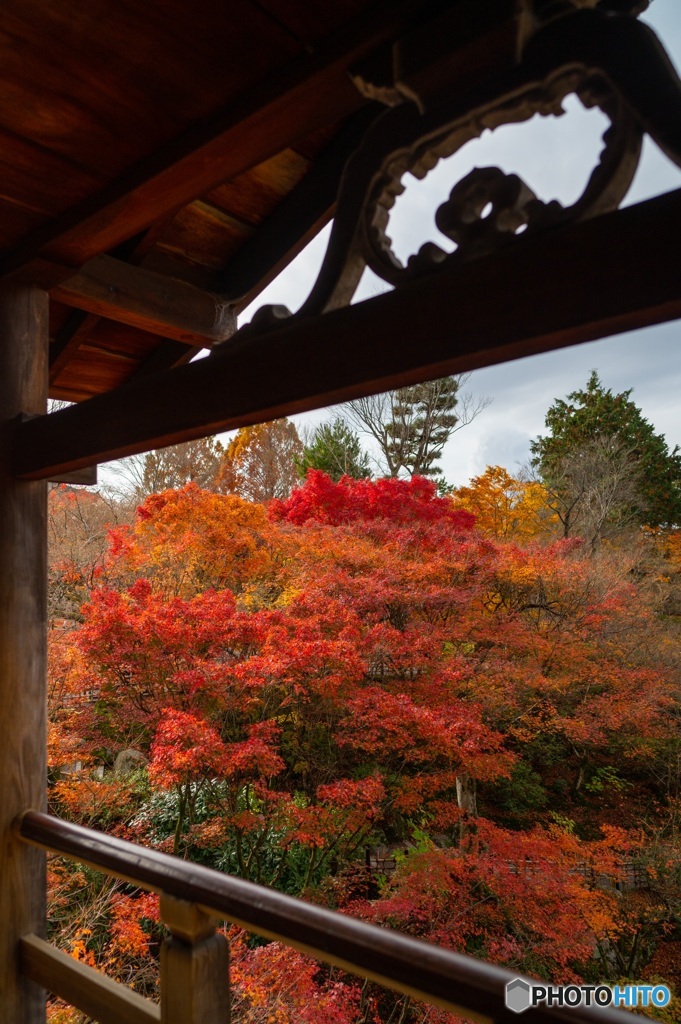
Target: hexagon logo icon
517, 995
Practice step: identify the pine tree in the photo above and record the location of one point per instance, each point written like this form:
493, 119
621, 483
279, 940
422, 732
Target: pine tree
423, 418
336, 450
411, 425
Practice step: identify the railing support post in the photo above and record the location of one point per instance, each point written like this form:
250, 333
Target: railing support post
23, 627
194, 967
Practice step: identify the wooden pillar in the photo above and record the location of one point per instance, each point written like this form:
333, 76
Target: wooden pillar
194, 967
23, 618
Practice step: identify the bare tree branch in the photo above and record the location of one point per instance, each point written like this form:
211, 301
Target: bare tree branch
412, 425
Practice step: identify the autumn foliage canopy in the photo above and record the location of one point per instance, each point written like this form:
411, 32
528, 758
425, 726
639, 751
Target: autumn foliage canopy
366, 665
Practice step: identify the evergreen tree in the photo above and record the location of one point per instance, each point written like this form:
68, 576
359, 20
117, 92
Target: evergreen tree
423, 418
594, 437
336, 450
411, 425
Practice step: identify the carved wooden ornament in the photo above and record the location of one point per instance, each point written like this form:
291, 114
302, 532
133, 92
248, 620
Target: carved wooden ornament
607, 59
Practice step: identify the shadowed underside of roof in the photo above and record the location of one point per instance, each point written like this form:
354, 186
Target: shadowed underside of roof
162, 162
168, 136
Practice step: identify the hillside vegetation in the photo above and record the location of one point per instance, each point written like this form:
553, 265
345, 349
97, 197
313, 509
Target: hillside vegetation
435, 713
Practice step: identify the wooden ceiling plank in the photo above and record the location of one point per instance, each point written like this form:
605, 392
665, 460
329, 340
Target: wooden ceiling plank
253, 196
93, 372
297, 218
301, 214
122, 92
68, 340
168, 265
309, 93
203, 234
538, 293
132, 295
95, 353
41, 181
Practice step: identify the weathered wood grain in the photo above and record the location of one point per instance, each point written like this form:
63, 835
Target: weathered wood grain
23, 628
141, 298
195, 982
84, 987
194, 967
251, 197
205, 234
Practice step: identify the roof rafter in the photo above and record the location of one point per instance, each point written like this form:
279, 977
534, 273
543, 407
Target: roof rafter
198, 317
298, 217
308, 94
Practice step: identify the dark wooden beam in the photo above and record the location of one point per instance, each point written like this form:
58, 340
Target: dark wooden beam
167, 355
306, 95
23, 636
161, 305
568, 285
63, 337
86, 477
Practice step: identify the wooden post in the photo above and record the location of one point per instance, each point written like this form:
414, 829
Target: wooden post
23, 617
194, 967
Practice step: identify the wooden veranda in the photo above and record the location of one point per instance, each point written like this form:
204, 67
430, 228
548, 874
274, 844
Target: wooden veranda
161, 162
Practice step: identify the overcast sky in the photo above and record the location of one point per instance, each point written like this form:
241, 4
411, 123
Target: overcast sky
555, 157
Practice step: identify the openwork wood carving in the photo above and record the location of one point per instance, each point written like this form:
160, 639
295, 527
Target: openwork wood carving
609, 60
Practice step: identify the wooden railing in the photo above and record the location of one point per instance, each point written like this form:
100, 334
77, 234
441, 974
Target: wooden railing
194, 960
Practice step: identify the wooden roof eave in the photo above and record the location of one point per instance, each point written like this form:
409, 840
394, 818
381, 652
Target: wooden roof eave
175, 309
311, 92
301, 98
184, 315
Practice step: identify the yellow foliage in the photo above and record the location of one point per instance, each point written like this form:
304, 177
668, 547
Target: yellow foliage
506, 508
669, 543
260, 461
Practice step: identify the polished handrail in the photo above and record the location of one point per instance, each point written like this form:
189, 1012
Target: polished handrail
461, 984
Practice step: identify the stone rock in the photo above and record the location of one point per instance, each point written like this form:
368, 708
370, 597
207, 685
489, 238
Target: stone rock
128, 761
